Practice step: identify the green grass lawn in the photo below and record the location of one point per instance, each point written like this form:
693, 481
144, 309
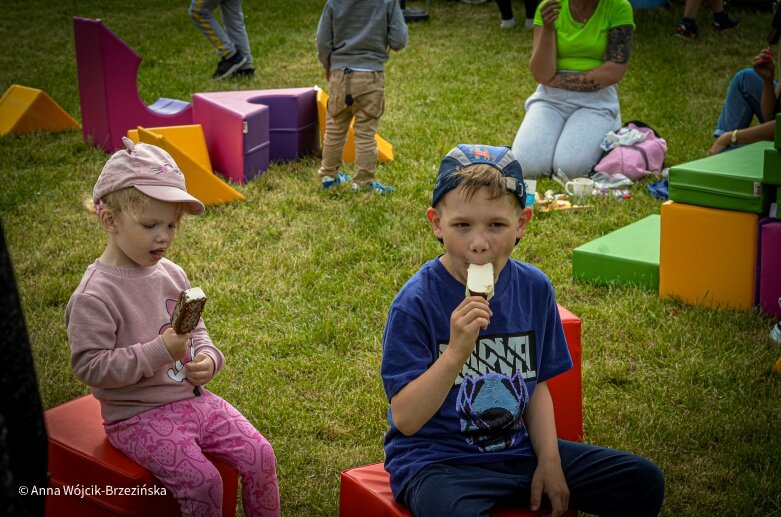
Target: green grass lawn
299, 281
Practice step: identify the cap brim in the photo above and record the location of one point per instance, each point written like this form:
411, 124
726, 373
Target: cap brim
173, 195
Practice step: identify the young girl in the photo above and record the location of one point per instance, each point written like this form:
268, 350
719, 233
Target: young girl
149, 379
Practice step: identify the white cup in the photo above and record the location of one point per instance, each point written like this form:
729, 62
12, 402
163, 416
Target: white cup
581, 187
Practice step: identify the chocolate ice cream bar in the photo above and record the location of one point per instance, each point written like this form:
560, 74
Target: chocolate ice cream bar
188, 310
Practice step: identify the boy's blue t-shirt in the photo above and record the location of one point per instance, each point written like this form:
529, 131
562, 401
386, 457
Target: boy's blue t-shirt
479, 421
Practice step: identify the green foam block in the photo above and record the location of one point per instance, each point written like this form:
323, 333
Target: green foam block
772, 167
627, 256
731, 180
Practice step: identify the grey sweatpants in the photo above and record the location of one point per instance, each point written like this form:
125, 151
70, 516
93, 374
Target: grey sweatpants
562, 129
227, 40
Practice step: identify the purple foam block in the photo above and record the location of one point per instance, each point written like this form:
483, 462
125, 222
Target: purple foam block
293, 123
768, 288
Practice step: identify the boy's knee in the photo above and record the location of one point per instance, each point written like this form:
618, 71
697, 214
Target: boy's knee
650, 482
655, 480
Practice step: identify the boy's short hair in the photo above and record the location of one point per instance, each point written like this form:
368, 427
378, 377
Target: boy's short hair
148, 169
473, 166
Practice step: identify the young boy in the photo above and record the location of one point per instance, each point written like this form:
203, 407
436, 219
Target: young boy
471, 417
353, 38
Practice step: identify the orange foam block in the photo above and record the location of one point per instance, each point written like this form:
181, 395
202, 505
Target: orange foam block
708, 256
201, 183
384, 148
24, 109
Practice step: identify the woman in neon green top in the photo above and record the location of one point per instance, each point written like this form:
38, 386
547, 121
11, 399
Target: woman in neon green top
580, 52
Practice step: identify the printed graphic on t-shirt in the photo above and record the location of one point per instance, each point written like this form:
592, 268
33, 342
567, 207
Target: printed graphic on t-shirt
490, 409
503, 353
492, 393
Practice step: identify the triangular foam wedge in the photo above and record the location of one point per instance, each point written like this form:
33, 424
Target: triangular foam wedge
189, 139
201, 183
24, 109
384, 148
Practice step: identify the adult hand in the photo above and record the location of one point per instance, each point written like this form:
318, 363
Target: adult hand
467, 319
175, 343
200, 370
549, 479
763, 65
722, 142
550, 13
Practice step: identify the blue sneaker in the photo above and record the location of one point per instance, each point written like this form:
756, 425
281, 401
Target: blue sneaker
775, 334
340, 178
376, 187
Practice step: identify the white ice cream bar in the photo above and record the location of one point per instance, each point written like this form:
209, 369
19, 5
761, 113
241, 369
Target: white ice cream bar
480, 280
188, 310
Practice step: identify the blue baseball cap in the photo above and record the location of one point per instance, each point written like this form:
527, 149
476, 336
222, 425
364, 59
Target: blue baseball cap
469, 154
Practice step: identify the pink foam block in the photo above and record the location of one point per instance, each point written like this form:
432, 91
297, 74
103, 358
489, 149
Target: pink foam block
768, 289
108, 88
236, 132
292, 117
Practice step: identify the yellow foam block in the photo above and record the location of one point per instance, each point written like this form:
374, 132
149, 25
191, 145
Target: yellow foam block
201, 183
384, 148
189, 139
24, 109
707, 256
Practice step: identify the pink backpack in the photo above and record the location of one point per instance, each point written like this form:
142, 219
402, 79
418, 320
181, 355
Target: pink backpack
636, 160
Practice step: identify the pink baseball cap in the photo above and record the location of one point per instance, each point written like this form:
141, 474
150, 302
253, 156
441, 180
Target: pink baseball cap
148, 169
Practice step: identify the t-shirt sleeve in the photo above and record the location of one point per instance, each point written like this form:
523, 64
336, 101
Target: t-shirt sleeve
406, 355
537, 15
555, 357
621, 14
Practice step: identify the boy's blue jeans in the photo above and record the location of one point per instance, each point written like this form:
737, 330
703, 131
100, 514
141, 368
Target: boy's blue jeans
742, 103
601, 481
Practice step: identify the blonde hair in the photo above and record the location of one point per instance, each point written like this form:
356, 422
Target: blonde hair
128, 200
472, 177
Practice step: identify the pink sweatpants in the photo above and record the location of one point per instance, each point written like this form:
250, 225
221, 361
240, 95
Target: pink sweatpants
170, 441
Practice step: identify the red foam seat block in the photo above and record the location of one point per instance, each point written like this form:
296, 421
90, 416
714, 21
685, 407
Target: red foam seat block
80, 455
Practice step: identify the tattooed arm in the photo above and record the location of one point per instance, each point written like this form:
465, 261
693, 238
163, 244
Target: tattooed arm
619, 46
